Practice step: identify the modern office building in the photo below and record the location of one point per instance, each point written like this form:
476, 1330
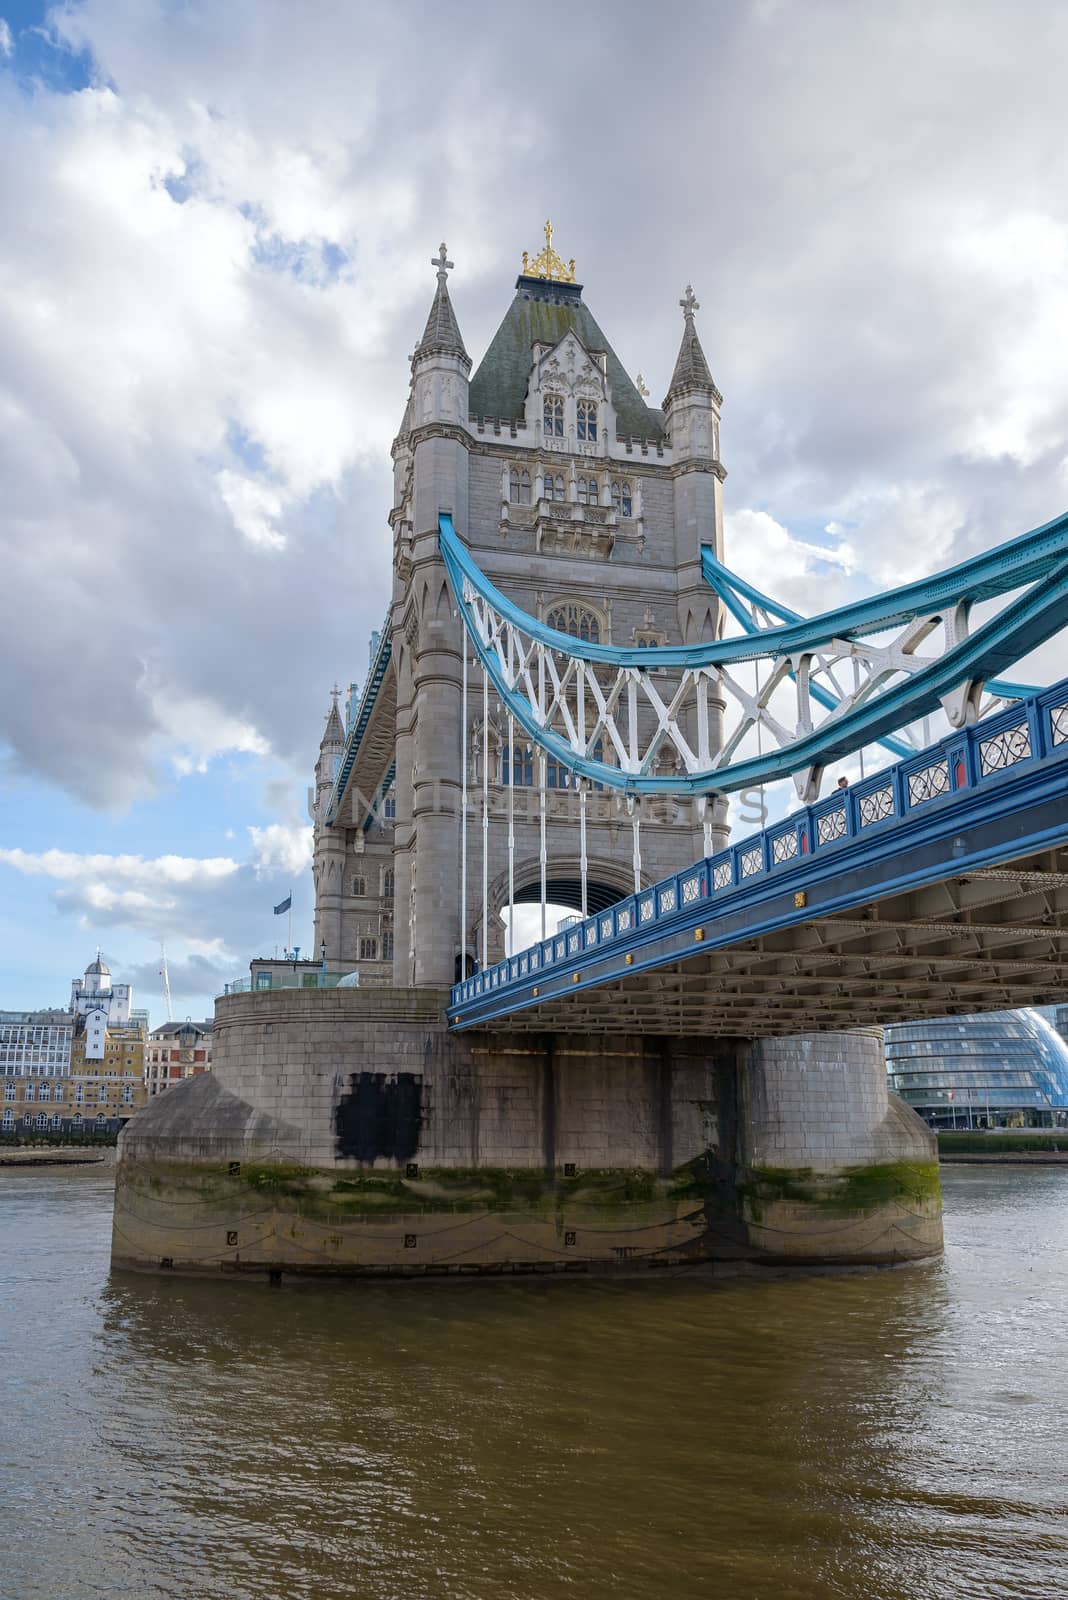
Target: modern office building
1006, 1069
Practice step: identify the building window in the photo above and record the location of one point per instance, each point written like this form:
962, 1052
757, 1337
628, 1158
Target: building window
102, 1094
9, 1091
359, 885
587, 419
31, 1091
9, 1117
101, 1120
523, 757
553, 416
588, 492
127, 1095
575, 620
387, 883
263, 981
57, 1120
621, 497
79, 1095
27, 1119
387, 946
368, 949
42, 1119
389, 810
519, 486
554, 487
77, 1117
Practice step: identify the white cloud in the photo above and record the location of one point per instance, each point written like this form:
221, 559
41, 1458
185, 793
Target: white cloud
7, 44
157, 872
282, 847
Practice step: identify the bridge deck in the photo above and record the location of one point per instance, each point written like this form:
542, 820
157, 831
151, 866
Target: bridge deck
937, 886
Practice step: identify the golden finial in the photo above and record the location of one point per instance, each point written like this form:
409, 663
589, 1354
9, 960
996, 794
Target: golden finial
547, 264
640, 386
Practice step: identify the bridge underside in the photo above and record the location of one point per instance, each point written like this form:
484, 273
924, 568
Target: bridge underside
989, 940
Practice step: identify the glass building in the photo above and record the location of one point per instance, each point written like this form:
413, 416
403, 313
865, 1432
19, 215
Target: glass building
1006, 1069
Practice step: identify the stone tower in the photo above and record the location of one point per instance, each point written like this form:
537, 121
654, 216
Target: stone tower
588, 508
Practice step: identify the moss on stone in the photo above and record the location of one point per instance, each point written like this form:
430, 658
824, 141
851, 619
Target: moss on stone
853, 1191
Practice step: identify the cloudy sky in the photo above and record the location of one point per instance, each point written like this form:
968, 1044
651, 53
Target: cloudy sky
215, 259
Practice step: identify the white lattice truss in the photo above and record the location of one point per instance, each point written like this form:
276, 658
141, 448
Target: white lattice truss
673, 727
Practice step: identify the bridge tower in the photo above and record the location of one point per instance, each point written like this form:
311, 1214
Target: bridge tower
588, 506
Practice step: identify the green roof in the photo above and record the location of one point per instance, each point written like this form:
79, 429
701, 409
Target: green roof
542, 313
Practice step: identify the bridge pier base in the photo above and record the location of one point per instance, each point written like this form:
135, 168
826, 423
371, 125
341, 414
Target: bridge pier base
347, 1132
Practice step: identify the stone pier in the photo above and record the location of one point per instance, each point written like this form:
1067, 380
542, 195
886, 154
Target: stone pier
346, 1131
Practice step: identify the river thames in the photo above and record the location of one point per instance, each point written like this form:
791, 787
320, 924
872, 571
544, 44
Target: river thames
895, 1434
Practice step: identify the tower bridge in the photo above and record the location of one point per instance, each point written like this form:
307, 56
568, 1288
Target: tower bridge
555, 713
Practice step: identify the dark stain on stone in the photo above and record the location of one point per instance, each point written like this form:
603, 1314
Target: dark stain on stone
380, 1116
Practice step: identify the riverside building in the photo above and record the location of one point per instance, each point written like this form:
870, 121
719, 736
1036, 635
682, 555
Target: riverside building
175, 1051
74, 1071
1004, 1069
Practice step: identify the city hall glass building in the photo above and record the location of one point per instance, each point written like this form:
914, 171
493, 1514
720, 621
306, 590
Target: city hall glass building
1004, 1069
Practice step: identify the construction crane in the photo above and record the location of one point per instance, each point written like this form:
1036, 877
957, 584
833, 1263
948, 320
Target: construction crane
165, 975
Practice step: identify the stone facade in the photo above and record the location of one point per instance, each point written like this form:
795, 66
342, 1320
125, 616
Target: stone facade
588, 508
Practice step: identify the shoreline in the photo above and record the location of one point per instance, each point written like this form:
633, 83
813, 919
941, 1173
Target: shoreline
58, 1157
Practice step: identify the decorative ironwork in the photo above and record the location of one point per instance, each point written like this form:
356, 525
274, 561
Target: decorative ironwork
929, 782
691, 890
831, 826
876, 806
623, 920
667, 899
572, 943
535, 959
752, 862
721, 875
606, 927
1005, 749
784, 846
547, 264
646, 910
1058, 721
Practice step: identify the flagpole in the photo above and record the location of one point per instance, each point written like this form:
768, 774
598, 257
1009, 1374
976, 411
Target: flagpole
289, 924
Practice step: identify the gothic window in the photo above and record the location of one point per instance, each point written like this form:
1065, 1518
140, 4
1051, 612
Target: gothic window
387, 946
587, 419
523, 757
588, 492
554, 487
621, 497
576, 620
519, 486
558, 775
359, 885
553, 416
387, 883
389, 808
368, 949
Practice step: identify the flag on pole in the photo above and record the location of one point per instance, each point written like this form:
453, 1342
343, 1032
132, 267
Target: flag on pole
283, 906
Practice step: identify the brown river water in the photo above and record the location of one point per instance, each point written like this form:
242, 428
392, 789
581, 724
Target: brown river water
895, 1434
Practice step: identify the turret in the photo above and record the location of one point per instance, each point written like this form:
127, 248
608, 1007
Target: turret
691, 411
328, 863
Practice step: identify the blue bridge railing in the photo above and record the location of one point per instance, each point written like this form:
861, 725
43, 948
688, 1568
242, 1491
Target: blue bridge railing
1027, 732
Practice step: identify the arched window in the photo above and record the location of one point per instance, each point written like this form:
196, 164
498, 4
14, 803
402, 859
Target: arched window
42, 1119
554, 487
588, 492
359, 885
621, 497
387, 883
576, 620
553, 416
519, 486
587, 419
523, 757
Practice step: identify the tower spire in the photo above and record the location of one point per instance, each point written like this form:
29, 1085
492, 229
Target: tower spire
691, 367
442, 335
